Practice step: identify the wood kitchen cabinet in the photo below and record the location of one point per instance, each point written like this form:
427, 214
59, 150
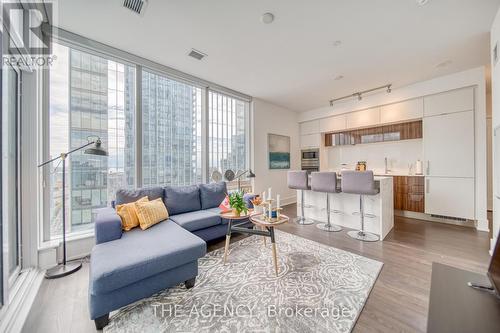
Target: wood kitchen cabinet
409, 193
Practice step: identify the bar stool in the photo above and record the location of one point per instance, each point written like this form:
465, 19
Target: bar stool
362, 183
325, 182
299, 180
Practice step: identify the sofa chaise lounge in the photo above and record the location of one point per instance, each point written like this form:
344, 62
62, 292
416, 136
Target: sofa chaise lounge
128, 266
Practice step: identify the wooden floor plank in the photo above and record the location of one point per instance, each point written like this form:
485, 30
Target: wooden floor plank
397, 303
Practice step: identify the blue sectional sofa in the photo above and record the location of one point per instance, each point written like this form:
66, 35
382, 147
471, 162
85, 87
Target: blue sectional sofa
128, 266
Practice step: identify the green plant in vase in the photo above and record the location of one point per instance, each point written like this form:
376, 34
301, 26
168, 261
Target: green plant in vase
237, 203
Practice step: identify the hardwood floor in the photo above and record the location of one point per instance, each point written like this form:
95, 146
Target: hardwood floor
397, 303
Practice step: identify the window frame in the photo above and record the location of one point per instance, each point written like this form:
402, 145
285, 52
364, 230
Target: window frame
140, 64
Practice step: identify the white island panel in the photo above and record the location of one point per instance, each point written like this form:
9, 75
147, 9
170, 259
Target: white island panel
344, 208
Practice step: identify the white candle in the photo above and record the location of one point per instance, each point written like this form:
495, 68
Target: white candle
264, 196
270, 196
278, 201
270, 211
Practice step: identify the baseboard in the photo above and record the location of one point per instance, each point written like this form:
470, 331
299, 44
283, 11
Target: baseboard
14, 314
288, 200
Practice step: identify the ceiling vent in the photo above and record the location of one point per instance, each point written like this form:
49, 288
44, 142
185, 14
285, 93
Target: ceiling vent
137, 6
198, 55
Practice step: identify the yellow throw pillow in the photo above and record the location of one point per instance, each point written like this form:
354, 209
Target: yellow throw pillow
128, 214
151, 212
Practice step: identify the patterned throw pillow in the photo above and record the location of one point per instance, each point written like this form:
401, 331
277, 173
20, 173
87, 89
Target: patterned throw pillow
151, 212
128, 214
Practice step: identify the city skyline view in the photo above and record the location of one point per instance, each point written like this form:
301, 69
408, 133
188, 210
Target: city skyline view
93, 96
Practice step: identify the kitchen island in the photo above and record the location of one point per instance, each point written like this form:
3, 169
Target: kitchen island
344, 208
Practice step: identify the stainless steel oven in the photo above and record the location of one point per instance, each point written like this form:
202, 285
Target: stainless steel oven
310, 160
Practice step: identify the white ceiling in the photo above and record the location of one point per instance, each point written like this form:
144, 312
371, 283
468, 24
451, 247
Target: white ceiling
293, 61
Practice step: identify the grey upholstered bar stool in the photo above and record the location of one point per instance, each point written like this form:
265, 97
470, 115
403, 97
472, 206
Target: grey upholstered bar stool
325, 182
299, 180
362, 183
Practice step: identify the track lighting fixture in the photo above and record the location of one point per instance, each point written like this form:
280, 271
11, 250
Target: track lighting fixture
359, 94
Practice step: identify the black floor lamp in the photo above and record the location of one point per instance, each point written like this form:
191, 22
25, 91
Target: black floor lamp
250, 175
65, 268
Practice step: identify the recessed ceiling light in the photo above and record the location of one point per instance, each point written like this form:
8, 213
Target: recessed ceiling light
422, 2
337, 43
339, 77
444, 64
267, 18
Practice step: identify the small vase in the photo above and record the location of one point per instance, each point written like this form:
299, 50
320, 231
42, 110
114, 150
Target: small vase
236, 213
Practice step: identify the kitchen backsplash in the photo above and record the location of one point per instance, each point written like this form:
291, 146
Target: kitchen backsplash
399, 155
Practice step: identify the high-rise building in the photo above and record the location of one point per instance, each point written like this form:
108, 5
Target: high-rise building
171, 137
102, 103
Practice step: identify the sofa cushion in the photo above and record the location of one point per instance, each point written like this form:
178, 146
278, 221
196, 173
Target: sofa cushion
182, 199
124, 196
211, 195
151, 212
140, 254
197, 220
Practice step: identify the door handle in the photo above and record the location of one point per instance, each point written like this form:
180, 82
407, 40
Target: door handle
427, 171
427, 186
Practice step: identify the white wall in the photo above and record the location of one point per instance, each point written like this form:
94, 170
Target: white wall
399, 154
472, 77
495, 92
269, 118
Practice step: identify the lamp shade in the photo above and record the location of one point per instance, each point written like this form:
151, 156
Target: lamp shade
96, 149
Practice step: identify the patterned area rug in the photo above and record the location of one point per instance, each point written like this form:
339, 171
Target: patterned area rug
319, 289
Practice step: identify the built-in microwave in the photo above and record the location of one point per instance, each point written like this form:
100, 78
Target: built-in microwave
310, 160
310, 154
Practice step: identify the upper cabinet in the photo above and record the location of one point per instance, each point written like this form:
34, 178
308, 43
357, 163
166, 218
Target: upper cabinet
310, 140
332, 124
403, 111
364, 118
309, 127
449, 102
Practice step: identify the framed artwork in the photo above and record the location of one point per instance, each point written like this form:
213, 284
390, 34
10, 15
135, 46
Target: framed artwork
278, 147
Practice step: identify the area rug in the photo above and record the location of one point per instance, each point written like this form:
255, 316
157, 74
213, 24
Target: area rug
319, 289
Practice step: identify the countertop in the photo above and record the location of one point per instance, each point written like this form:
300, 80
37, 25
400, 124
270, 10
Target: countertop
381, 174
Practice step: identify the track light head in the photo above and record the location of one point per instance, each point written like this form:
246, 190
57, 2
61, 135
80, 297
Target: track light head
360, 97
389, 89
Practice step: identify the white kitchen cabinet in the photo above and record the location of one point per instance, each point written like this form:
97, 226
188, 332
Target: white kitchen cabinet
407, 110
449, 102
448, 142
364, 118
450, 197
309, 127
331, 124
310, 141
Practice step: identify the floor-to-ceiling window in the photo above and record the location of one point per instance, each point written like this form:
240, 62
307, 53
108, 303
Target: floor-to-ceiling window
90, 96
171, 131
227, 133
159, 129
11, 223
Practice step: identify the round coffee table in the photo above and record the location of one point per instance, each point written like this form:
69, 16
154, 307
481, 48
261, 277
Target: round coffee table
268, 231
231, 226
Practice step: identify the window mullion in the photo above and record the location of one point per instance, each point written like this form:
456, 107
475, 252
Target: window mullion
138, 127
